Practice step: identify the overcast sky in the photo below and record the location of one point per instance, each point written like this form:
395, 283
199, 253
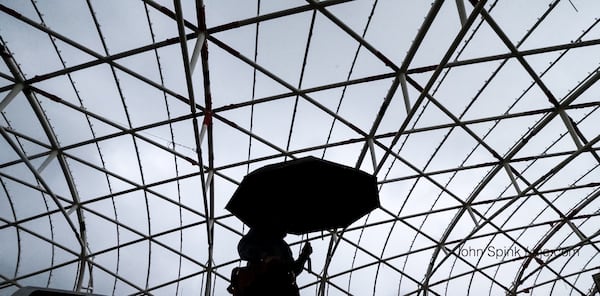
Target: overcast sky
480, 123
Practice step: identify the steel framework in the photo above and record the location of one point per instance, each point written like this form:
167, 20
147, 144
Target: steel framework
126, 126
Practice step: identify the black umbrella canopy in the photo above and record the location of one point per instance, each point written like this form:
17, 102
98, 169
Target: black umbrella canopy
304, 195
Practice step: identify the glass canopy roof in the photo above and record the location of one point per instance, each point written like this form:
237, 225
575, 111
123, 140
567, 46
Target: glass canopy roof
127, 125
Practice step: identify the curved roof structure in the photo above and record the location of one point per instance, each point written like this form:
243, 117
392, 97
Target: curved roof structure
127, 125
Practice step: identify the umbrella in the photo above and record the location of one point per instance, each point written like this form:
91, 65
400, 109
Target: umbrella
304, 195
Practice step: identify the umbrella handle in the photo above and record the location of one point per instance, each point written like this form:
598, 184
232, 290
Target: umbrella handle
305, 255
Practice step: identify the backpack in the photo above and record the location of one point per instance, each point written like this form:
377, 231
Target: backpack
263, 278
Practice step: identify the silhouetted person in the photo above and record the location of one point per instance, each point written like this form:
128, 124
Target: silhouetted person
271, 268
